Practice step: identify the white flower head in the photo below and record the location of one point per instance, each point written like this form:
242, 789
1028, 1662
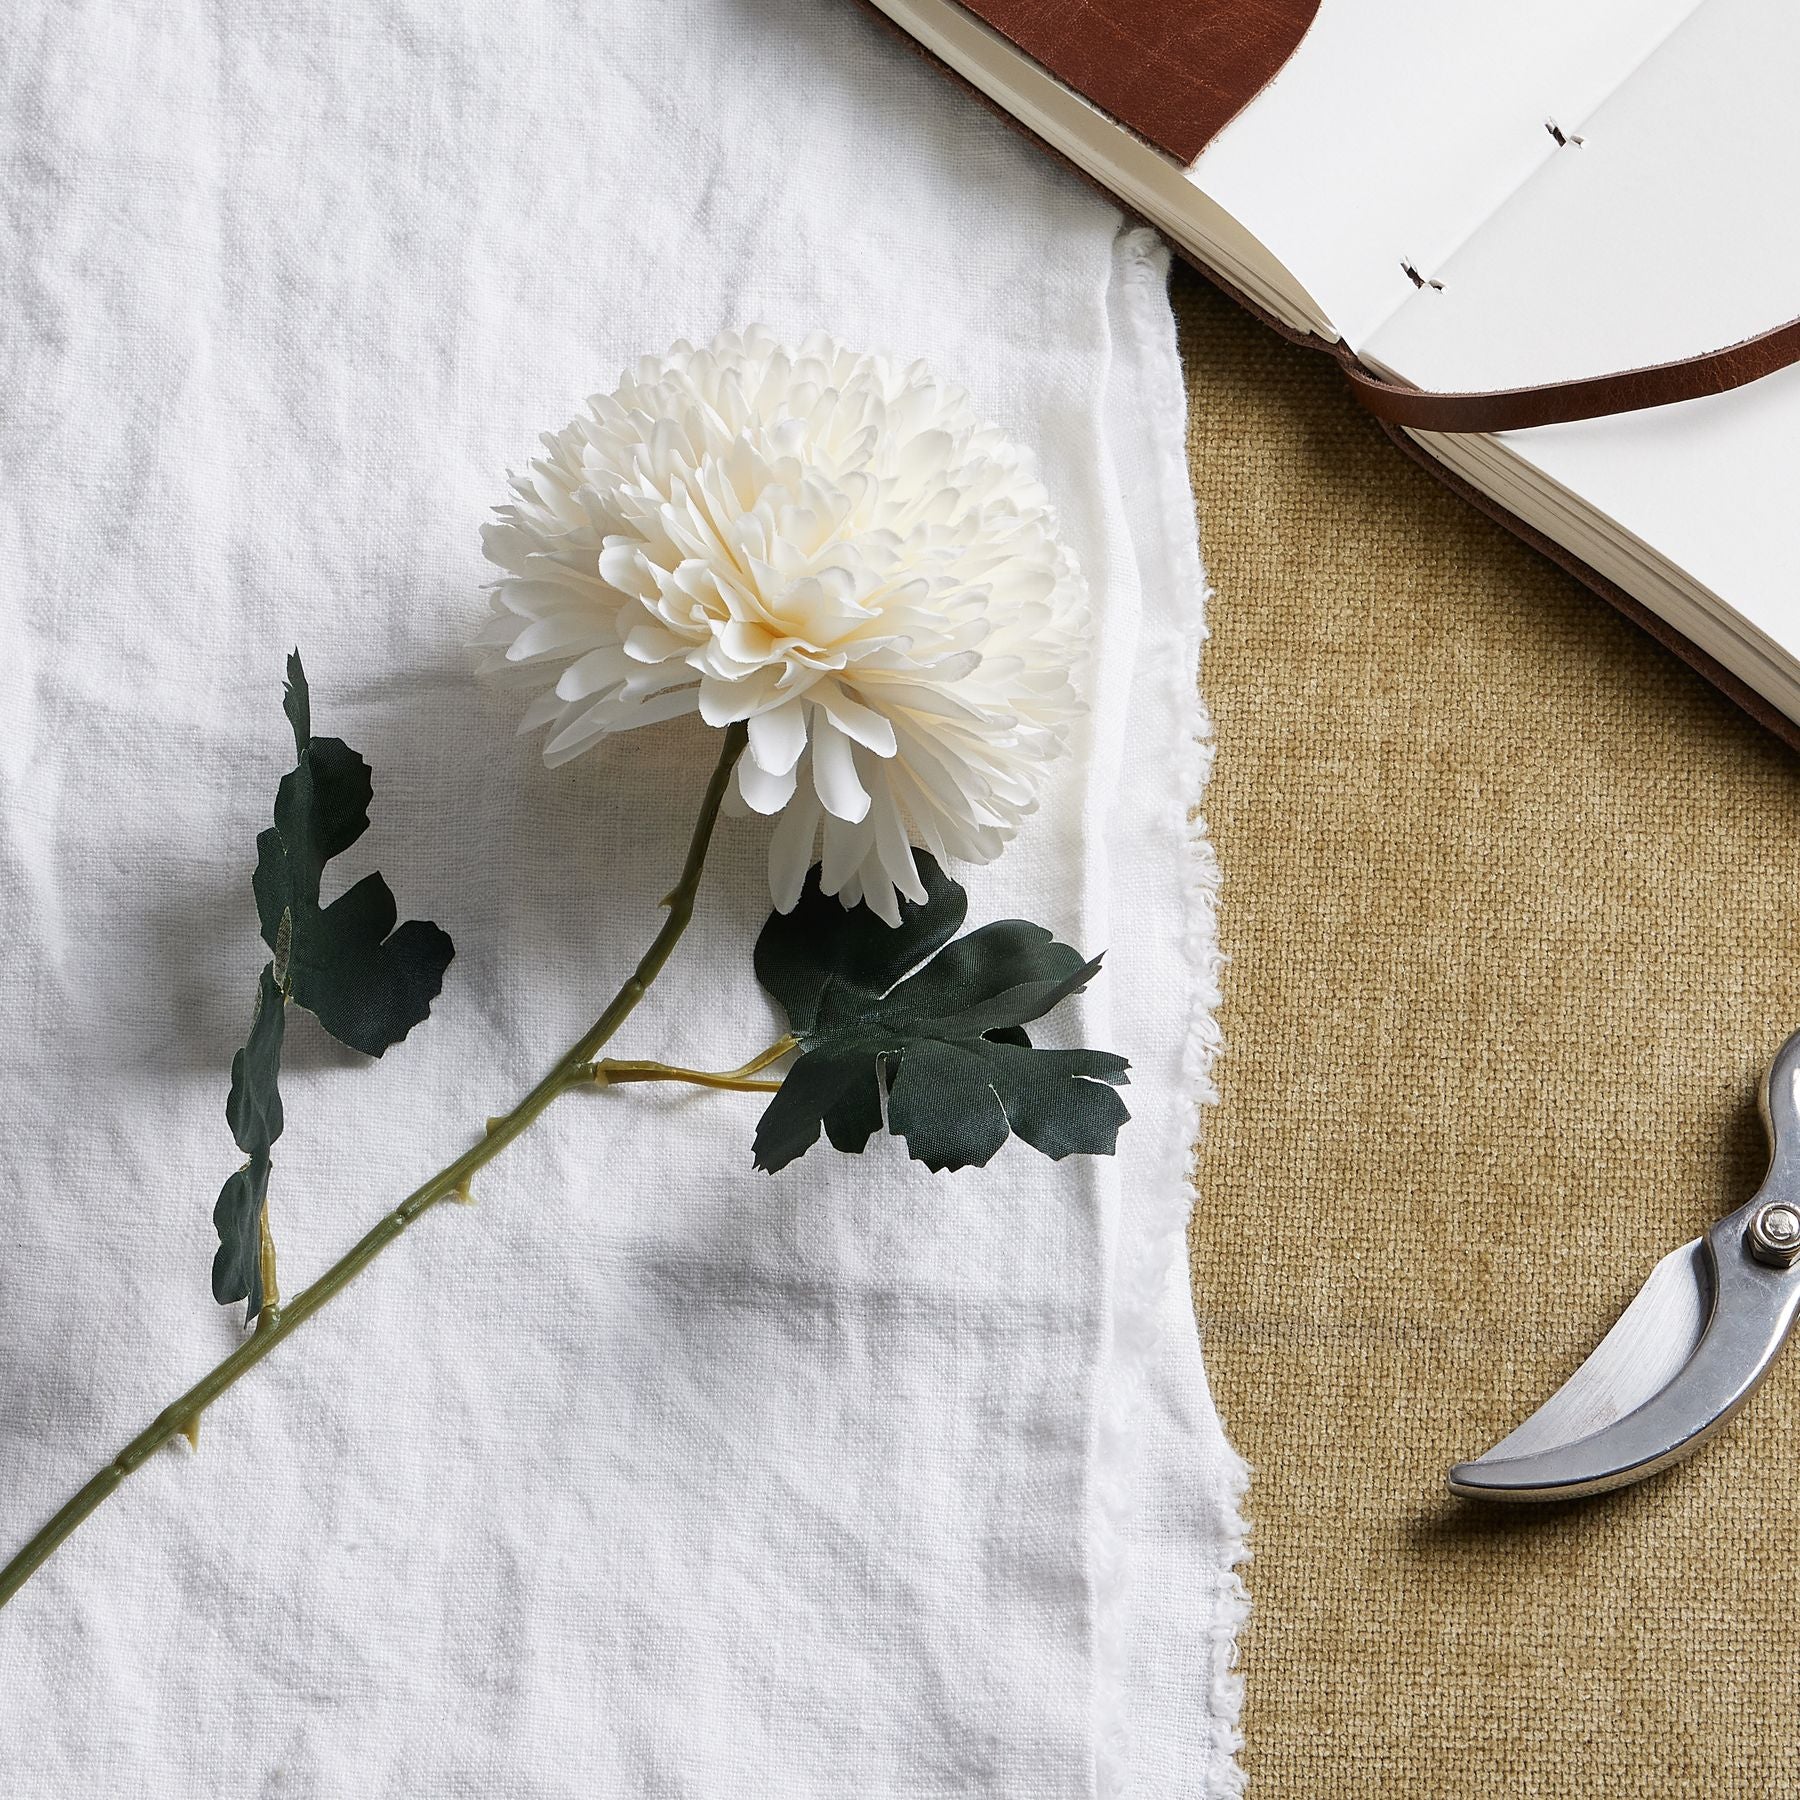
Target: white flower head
827, 546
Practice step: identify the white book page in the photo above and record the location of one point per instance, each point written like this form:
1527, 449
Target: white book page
1667, 231
1398, 126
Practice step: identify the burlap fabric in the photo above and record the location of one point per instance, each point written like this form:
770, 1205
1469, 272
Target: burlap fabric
1513, 903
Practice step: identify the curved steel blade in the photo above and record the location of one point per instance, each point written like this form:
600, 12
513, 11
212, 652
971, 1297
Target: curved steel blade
1654, 1338
1684, 1356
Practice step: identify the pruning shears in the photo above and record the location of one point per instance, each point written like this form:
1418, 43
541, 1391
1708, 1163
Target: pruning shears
1687, 1352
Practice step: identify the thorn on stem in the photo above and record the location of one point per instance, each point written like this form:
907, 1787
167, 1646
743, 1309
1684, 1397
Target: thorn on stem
191, 1431
494, 1124
463, 1193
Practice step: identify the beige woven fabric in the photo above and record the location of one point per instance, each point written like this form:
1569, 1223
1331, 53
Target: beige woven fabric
1513, 906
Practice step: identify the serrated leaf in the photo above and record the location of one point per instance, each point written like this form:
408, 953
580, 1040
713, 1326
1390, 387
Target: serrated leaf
998, 978
836, 1089
296, 702
823, 963
238, 1217
253, 1111
366, 982
938, 1024
253, 1107
954, 1105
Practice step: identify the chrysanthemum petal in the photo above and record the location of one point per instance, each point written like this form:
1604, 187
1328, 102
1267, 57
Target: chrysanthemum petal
835, 779
893, 849
860, 723
777, 737
546, 709
555, 636
763, 792
845, 848
593, 673
791, 847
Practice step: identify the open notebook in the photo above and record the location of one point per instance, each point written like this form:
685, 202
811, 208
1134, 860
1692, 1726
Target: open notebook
1484, 195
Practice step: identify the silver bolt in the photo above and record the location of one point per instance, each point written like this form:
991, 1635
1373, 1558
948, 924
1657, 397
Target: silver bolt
1775, 1235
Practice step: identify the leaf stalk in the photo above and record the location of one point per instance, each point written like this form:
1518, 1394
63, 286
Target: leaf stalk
611, 1073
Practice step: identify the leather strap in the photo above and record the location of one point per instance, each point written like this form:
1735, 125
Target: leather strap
1595, 396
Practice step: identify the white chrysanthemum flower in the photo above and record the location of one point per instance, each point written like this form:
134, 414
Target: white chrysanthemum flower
827, 546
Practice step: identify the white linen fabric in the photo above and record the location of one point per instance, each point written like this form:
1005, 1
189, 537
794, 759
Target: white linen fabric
648, 1475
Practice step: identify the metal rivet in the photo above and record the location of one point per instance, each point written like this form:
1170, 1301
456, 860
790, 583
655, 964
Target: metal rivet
1775, 1234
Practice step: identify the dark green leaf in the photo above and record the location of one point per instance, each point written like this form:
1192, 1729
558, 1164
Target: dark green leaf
238, 1217
939, 1025
367, 983
1061, 1102
943, 1103
253, 1111
954, 1103
296, 702
997, 978
253, 1107
837, 1089
824, 963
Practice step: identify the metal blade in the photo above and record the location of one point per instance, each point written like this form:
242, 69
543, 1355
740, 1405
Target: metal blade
1655, 1336
1589, 1446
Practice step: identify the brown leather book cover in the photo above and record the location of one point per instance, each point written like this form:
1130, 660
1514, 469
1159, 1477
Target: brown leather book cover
1154, 68
1175, 74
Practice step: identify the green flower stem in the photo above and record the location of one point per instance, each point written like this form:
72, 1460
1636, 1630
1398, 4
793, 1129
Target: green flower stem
609, 1073
575, 1069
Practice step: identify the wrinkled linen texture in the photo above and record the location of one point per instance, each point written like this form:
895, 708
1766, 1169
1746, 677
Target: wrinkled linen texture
649, 1474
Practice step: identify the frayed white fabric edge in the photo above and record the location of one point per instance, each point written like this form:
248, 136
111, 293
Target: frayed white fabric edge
1149, 1259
